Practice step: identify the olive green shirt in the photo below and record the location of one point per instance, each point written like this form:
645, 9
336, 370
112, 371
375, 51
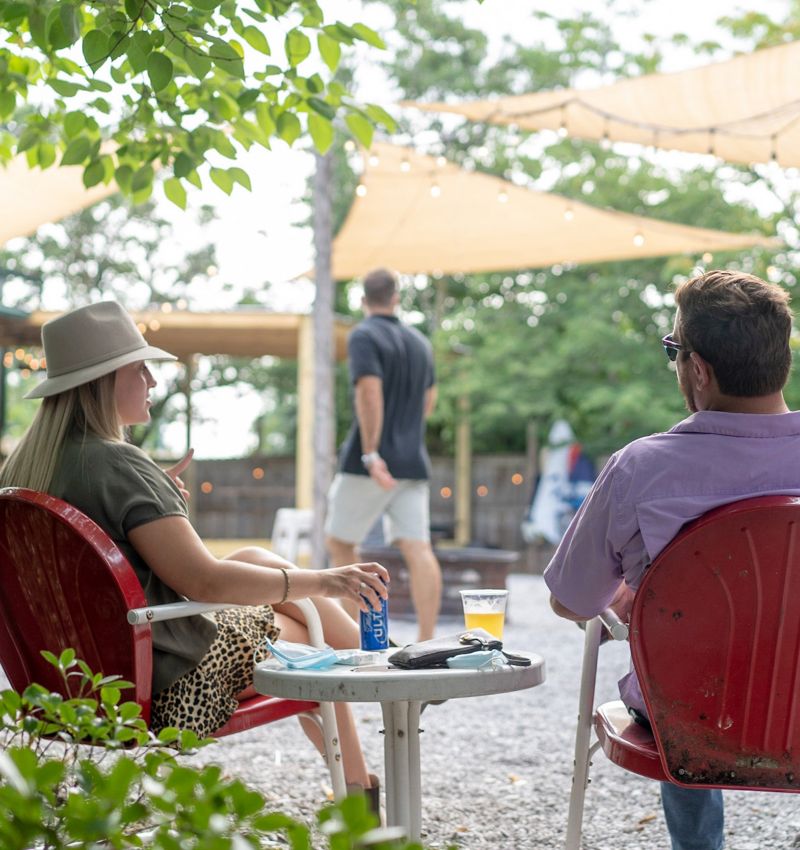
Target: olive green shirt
120, 488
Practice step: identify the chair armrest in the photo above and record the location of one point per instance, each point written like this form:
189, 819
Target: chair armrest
613, 625
176, 610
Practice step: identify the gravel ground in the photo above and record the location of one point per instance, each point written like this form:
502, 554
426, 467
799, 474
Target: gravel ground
496, 770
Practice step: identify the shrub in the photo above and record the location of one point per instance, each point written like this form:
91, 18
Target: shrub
85, 771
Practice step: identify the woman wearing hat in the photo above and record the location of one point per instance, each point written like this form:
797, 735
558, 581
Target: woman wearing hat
97, 384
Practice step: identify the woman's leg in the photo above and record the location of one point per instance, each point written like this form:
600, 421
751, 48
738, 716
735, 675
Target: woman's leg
341, 633
355, 768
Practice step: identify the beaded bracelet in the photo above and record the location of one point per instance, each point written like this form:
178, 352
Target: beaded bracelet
285, 585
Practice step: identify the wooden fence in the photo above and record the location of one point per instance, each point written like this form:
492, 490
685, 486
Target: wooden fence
238, 498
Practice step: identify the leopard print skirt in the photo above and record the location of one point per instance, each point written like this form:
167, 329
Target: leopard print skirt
204, 699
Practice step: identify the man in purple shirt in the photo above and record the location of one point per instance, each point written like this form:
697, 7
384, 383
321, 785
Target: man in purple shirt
730, 346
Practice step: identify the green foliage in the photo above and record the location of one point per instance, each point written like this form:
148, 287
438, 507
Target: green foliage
168, 82
580, 343
131, 788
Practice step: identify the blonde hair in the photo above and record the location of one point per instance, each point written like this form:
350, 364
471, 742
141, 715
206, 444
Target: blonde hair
88, 408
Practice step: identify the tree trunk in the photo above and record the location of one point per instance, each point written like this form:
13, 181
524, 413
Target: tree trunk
323, 354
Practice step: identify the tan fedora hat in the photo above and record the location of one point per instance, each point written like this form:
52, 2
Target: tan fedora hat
88, 343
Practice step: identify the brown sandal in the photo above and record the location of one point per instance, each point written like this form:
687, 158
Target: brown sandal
372, 793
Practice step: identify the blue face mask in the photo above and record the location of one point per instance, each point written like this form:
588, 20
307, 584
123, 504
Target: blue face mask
300, 656
487, 659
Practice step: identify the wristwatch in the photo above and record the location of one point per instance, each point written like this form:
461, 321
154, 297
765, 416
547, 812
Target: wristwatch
369, 458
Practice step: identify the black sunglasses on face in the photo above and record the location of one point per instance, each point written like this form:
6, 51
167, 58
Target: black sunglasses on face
672, 348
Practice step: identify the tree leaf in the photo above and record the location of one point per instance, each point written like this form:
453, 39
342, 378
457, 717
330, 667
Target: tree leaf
226, 57
380, 116
322, 107
183, 165
74, 123
77, 151
289, 128
205, 5
222, 179
256, 39
47, 154
197, 61
321, 130
63, 87
329, 50
360, 127
297, 46
241, 177
124, 177
159, 70
142, 179
369, 35
264, 118
70, 21
173, 189
96, 48
133, 9
8, 103
93, 174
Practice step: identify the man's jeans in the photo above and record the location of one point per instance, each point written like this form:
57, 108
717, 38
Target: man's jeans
695, 817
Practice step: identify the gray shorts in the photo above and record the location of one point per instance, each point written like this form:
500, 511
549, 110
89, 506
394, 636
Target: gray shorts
355, 502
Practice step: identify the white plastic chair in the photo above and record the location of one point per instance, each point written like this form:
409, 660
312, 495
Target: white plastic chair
291, 533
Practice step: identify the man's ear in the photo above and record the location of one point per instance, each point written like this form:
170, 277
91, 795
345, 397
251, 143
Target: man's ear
701, 370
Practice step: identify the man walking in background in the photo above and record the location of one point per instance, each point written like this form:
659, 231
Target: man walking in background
383, 464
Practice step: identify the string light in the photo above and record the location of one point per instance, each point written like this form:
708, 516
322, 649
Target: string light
773, 141
562, 127
258, 473
8, 359
482, 490
405, 165
154, 325
516, 479
445, 492
569, 214
361, 190
374, 160
502, 196
711, 141
181, 303
206, 487
708, 257
638, 239
436, 190
349, 145
605, 141
166, 307
441, 161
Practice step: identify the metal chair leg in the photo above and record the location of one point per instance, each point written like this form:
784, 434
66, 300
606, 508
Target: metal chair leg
583, 734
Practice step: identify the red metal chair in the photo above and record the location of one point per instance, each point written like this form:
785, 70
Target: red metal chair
715, 641
64, 583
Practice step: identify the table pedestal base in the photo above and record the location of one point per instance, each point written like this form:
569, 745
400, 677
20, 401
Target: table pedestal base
402, 777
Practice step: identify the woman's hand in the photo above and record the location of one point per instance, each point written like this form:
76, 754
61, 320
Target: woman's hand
175, 471
364, 584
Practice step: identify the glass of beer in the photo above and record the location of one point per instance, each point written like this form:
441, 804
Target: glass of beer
485, 609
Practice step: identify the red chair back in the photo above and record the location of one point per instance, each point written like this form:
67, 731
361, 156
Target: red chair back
715, 638
64, 583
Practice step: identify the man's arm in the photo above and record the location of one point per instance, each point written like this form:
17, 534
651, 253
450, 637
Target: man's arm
368, 405
621, 605
431, 395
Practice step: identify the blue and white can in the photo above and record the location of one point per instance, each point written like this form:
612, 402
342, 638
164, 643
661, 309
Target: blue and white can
375, 627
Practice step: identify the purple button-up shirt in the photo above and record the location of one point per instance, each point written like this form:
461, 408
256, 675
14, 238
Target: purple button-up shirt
651, 488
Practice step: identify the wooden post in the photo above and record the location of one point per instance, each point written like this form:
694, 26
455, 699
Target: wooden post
463, 478
304, 457
189, 476
324, 416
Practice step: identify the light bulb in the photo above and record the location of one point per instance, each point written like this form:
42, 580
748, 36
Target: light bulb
361, 190
441, 161
502, 196
638, 240
405, 165
569, 214
374, 160
436, 190
562, 131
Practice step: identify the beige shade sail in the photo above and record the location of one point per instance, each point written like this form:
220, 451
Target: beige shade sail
32, 196
745, 110
422, 214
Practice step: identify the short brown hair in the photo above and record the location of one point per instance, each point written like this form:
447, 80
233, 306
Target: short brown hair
740, 325
380, 286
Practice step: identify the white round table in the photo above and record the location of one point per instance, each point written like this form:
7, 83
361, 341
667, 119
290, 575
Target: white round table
401, 694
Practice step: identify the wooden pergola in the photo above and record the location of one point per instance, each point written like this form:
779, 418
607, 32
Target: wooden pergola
241, 333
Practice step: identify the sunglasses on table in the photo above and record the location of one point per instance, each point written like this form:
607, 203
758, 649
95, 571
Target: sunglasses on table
672, 348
